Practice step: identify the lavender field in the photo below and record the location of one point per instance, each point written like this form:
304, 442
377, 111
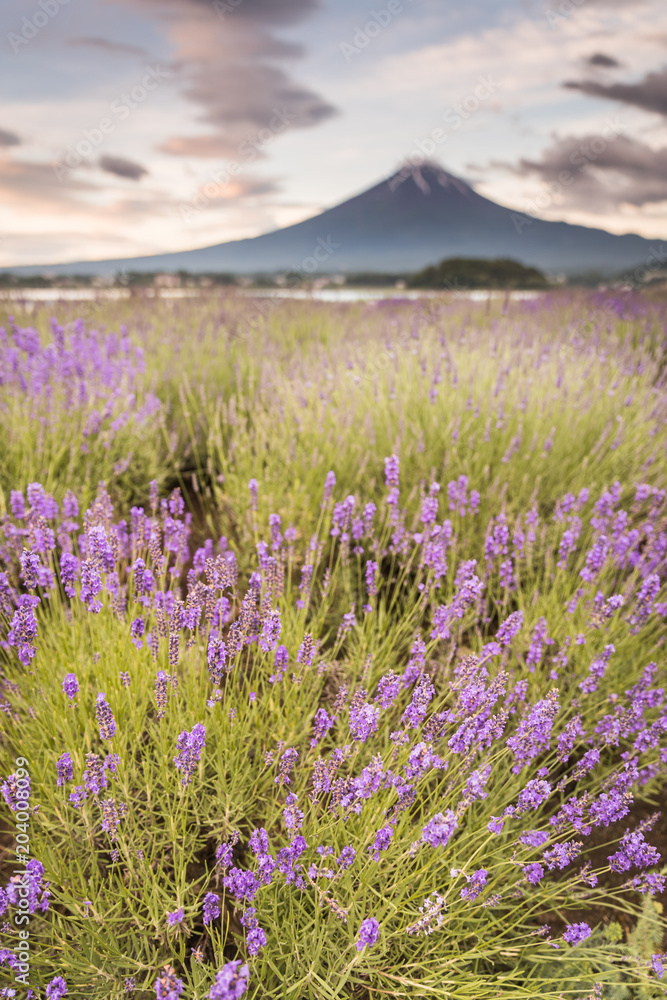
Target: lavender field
332, 649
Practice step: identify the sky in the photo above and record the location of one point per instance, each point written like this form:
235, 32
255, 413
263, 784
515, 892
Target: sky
131, 127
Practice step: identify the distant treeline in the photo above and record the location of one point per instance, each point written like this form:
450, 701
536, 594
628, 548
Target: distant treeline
471, 272
454, 274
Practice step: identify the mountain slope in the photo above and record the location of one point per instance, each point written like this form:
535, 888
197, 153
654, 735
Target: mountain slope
415, 218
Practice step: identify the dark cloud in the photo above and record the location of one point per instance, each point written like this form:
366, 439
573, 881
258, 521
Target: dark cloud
122, 168
602, 174
227, 61
39, 186
649, 94
271, 12
247, 106
600, 59
8, 138
109, 46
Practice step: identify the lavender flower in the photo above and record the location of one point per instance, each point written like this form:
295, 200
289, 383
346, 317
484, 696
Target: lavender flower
495, 824
56, 989
533, 795
255, 937
78, 796
533, 838
105, 719
634, 852
30, 569
175, 917
388, 690
432, 915
293, 817
644, 602
23, 631
281, 659
223, 854
369, 932
595, 559
370, 576
168, 986
329, 483
190, 746
568, 737
16, 792
91, 585
17, 504
574, 934
30, 887
161, 686
242, 884
534, 731
382, 841
415, 713
509, 628
288, 861
476, 883
65, 769
538, 640
285, 766
70, 686
111, 816
439, 830
391, 470
137, 629
346, 857
656, 964
306, 650
231, 982
560, 855
476, 784
364, 722
597, 669
533, 872
271, 630
322, 723
211, 907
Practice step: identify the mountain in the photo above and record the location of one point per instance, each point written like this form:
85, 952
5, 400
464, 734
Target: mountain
416, 217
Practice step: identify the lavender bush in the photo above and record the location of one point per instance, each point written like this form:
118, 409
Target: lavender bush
73, 407
398, 732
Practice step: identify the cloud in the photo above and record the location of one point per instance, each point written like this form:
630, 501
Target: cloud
603, 175
226, 58
600, 59
276, 12
36, 187
649, 94
109, 46
8, 138
122, 168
